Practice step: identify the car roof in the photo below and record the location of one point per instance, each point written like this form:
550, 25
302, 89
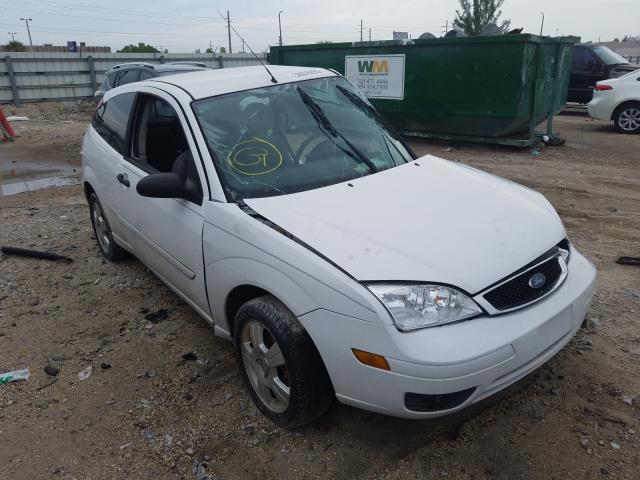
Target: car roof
212, 82
158, 67
170, 67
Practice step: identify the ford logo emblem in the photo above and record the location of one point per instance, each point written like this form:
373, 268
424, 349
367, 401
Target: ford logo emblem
537, 281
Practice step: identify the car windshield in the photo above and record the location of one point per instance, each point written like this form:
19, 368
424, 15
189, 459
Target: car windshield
296, 136
608, 56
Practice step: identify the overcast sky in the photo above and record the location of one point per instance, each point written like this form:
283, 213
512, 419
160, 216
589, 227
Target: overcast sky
189, 24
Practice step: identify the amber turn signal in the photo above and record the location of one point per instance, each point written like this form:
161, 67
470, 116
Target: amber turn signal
372, 359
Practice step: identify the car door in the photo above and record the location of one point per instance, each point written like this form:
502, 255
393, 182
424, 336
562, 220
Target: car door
105, 151
586, 70
165, 233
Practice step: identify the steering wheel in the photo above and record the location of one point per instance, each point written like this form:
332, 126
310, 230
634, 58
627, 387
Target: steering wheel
313, 146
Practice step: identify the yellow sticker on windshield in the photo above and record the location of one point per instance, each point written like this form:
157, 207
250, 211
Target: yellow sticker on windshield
254, 157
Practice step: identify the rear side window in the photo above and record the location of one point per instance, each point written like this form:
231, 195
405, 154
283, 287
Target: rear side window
107, 83
145, 74
581, 58
128, 76
111, 120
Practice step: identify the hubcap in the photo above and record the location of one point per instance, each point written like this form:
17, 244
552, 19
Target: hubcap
265, 366
629, 119
100, 225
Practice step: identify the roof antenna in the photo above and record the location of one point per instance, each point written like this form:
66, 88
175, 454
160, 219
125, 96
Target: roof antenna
273, 79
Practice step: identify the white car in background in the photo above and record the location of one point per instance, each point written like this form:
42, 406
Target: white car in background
289, 214
618, 99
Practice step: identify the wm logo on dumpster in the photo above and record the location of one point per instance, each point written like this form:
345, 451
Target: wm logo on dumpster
373, 66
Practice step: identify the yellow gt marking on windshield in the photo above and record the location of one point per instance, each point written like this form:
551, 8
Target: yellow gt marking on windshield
255, 157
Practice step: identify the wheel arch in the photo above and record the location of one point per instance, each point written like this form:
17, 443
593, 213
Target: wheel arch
622, 105
238, 297
88, 189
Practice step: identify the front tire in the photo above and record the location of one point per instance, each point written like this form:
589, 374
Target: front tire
627, 118
102, 230
281, 366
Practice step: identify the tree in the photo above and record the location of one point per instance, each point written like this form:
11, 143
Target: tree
476, 14
209, 50
324, 42
140, 48
223, 50
14, 46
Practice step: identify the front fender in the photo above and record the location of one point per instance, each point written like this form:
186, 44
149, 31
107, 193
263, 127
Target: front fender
235, 272
239, 250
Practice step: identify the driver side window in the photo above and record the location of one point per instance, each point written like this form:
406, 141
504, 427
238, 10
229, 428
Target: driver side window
159, 144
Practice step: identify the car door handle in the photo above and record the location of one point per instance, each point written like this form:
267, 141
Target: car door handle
123, 179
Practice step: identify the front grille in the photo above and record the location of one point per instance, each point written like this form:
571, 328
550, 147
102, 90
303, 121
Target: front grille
519, 291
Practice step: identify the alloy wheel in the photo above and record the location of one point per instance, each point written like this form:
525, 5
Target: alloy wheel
265, 366
629, 119
100, 225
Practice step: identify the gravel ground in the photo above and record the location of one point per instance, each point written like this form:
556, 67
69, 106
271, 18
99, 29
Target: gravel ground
147, 412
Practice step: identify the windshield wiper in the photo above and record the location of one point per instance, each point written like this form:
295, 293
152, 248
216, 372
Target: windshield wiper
372, 112
327, 126
380, 119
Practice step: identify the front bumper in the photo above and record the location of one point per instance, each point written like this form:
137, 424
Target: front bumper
485, 354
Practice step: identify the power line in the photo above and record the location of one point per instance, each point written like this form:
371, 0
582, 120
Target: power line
128, 12
136, 21
142, 33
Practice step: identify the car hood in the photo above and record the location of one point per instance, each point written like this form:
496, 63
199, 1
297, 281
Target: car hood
430, 220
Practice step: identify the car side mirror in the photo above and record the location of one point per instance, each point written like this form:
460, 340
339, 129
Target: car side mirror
162, 185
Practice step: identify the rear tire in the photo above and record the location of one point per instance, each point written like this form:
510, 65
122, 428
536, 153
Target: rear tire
102, 230
626, 118
281, 366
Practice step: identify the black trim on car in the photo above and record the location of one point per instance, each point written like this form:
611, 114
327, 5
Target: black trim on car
545, 256
159, 80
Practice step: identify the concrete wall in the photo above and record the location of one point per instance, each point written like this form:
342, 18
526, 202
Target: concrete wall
629, 49
37, 77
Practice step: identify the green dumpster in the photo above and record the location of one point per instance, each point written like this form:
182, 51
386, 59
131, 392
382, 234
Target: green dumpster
491, 89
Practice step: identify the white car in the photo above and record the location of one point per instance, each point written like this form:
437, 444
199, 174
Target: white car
298, 223
618, 99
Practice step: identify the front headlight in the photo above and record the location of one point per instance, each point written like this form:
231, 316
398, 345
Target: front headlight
421, 306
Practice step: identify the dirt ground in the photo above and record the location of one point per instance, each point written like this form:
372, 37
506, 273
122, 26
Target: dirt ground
147, 413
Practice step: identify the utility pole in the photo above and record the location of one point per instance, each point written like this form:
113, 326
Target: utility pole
26, 21
229, 29
445, 26
13, 38
360, 30
542, 24
280, 26
369, 33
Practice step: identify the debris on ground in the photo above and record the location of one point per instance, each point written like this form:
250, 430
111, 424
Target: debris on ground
85, 373
200, 470
629, 261
158, 316
51, 370
189, 356
502, 436
14, 376
24, 252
